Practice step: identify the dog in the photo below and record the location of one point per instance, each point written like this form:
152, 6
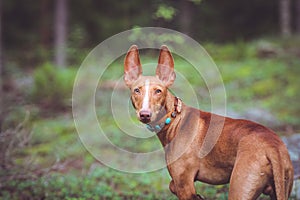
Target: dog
249, 156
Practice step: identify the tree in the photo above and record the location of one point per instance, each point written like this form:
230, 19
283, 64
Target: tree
186, 16
298, 16
285, 17
45, 22
1, 64
61, 22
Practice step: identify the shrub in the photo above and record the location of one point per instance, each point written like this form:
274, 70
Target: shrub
13, 163
52, 86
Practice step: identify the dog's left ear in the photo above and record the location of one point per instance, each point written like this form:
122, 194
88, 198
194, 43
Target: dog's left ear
165, 69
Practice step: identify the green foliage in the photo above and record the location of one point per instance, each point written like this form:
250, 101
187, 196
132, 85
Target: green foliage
165, 12
101, 183
152, 38
261, 74
13, 141
52, 86
235, 51
56, 140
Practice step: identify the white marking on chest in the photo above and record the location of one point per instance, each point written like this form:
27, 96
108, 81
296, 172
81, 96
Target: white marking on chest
146, 97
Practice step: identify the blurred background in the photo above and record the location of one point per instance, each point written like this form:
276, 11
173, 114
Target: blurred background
255, 44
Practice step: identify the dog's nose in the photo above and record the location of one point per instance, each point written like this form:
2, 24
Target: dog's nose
145, 116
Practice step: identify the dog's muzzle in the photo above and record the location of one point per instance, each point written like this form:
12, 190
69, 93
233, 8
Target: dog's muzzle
145, 116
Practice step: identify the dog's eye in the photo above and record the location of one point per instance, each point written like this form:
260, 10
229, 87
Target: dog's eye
137, 90
158, 91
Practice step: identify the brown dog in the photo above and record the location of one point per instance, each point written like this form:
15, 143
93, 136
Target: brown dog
202, 146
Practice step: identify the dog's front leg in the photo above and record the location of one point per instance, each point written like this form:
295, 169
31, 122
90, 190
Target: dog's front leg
184, 188
172, 187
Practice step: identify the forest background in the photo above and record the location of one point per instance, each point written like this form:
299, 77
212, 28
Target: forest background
255, 44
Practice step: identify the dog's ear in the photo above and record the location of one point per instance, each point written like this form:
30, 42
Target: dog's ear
165, 69
132, 65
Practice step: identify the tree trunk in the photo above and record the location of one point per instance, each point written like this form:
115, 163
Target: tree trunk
185, 16
285, 17
1, 67
61, 9
45, 22
298, 16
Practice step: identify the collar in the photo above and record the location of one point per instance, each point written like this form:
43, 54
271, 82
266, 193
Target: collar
167, 119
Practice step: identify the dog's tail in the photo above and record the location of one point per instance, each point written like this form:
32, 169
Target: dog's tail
283, 178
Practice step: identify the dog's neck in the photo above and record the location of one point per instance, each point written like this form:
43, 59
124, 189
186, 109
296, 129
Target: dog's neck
168, 115
170, 102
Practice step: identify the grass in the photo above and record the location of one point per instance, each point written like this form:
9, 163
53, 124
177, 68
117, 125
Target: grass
55, 149
54, 164
99, 183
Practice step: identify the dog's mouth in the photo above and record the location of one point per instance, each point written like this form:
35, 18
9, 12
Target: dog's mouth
145, 121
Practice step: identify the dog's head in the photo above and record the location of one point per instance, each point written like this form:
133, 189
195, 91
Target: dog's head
148, 93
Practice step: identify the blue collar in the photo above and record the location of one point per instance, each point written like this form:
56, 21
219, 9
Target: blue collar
167, 119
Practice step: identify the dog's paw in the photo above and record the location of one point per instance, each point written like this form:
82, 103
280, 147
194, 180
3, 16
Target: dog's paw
198, 197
